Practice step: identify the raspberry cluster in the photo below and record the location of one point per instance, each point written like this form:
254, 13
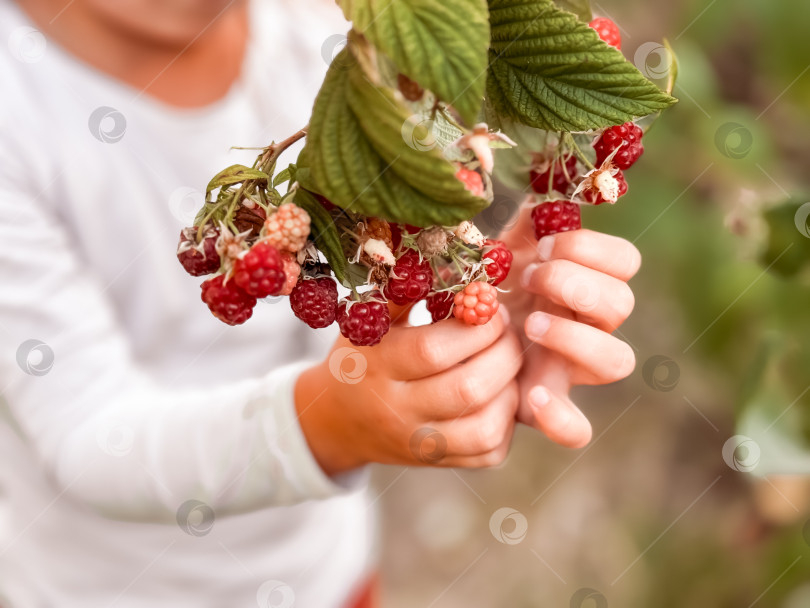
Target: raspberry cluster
561, 174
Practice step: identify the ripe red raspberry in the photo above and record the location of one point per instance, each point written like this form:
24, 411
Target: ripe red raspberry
291, 272
501, 263
410, 279
314, 301
202, 258
593, 196
628, 136
260, 271
558, 216
227, 301
288, 228
472, 180
476, 304
440, 305
608, 31
564, 174
365, 322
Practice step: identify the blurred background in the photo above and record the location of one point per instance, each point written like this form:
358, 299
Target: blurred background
692, 491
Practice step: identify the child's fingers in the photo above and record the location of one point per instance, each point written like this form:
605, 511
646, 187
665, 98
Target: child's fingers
602, 252
416, 352
597, 357
471, 439
593, 295
558, 418
469, 386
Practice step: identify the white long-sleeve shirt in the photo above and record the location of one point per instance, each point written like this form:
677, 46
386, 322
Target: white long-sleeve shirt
149, 454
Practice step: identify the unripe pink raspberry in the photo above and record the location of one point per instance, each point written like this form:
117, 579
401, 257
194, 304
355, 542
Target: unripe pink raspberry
287, 228
476, 304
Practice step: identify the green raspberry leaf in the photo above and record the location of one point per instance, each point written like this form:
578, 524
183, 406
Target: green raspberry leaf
361, 155
235, 174
325, 233
581, 8
441, 44
551, 71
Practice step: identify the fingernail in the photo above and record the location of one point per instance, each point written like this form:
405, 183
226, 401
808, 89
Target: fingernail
504, 314
537, 325
545, 246
526, 277
539, 397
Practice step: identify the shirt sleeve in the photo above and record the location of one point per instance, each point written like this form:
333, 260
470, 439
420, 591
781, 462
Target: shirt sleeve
106, 432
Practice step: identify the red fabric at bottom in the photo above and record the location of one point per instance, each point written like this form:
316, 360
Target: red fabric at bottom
368, 594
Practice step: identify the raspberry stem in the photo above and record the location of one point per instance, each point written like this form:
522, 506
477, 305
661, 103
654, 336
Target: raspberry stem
571, 142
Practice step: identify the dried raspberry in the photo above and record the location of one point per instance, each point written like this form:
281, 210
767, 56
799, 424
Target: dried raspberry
472, 180
249, 218
608, 31
410, 90
628, 136
227, 301
595, 197
440, 305
314, 301
410, 279
501, 260
365, 322
260, 271
288, 228
377, 228
476, 304
202, 258
292, 270
558, 216
564, 174
433, 241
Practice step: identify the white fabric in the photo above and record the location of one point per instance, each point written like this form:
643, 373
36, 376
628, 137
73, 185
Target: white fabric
151, 402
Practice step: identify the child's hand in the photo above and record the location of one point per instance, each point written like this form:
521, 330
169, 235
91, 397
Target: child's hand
442, 394
568, 293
